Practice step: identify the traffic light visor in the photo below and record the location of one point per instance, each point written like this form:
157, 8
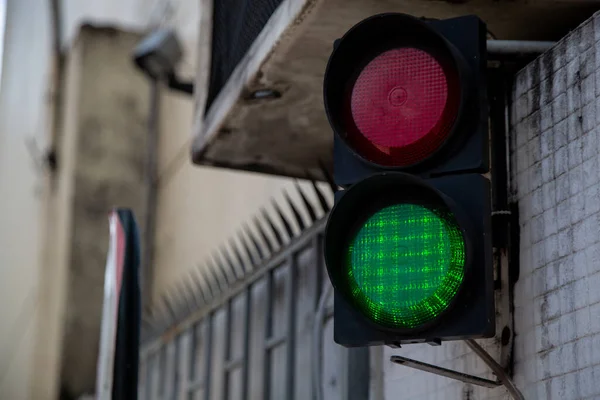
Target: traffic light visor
393, 90
403, 262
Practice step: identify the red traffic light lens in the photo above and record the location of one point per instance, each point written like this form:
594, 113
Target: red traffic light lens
399, 97
402, 107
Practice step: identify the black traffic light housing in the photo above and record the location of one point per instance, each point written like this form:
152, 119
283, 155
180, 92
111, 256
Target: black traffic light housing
462, 42
452, 171
473, 313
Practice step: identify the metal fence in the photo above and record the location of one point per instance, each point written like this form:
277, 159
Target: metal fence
256, 340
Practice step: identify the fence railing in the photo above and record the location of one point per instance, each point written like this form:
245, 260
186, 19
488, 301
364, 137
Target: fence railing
247, 330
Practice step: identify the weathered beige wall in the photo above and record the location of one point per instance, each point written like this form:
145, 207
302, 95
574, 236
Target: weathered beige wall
200, 208
106, 131
104, 144
23, 131
57, 235
33, 273
138, 15
53, 231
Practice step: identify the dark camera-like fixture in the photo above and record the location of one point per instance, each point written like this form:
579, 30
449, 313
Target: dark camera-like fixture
157, 55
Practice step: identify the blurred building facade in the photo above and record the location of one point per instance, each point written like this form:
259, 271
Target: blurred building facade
69, 150
74, 118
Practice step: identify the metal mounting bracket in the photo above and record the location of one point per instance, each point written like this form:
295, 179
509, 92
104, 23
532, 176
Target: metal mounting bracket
504, 217
503, 378
517, 47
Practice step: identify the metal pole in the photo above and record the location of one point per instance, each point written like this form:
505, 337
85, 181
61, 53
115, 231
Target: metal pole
227, 344
448, 373
503, 378
147, 272
291, 325
496, 368
514, 47
208, 354
268, 336
247, 330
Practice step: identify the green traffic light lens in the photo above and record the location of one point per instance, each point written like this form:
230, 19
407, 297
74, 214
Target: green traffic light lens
406, 264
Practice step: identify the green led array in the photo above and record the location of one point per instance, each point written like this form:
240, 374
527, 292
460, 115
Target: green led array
406, 264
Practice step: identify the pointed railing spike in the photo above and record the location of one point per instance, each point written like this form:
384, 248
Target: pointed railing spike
169, 308
147, 327
238, 256
172, 301
213, 272
164, 313
151, 328
237, 272
148, 311
146, 321
322, 200
179, 292
263, 235
179, 301
150, 324
274, 229
164, 322
154, 315
160, 311
198, 296
193, 295
218, 266
328, 177
188, 295
227, 271
284, 220
199, 281
249, 253
155, 323
299, 219
259, 250
177, 297
161, 308
208, 278
194, 290
182, 291
309, 207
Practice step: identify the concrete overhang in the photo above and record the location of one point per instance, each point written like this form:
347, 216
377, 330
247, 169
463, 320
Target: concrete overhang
288, 135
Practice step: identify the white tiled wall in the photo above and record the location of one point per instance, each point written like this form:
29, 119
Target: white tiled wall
406, 383
555, 177
556, 180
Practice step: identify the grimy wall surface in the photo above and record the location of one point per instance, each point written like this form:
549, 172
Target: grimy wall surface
33, 271
555, 177
104, 146
24, 127
556, 180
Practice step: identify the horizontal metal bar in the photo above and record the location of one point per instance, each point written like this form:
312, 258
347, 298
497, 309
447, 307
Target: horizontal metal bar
271, 343
504, 379
233, 364
196, 385
329, 311
448, 373
508, 47
299, 243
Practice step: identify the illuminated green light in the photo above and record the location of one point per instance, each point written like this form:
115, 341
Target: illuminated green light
406, 265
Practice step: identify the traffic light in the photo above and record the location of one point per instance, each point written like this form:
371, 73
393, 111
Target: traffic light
408, 243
